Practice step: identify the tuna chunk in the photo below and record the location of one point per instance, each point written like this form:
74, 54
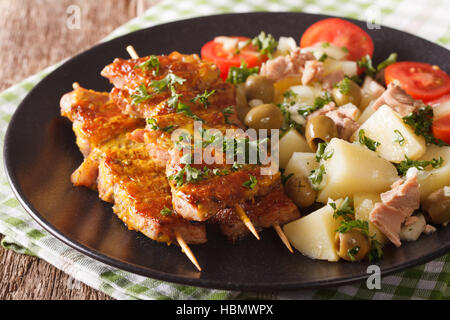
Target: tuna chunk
396, 98
313, 71
397, 205
285, 66
344, 118
331, 79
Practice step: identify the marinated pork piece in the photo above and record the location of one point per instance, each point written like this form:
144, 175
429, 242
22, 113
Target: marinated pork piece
141, 196
264, 212
396, 98
199, 191
397, 205
143, 92
285, 66
122, 169
95, 118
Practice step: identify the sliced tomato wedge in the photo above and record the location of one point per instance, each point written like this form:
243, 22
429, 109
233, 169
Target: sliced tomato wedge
441, 129
213, 51
421, 80
340, 33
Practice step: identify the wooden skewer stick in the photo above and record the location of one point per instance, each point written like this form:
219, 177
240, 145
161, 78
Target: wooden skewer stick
133, 54
184, 246
186, 250
283, 237
246, 220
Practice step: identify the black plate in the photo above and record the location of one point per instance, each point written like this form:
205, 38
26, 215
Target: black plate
40, 154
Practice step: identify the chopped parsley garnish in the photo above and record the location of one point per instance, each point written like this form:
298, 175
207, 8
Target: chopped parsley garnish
345, 210
399, 138
320, 153
352, 252
389, 60
366, 64
323, 57
236, 166
369, 143
251, 183
166, 212
403, 166
347, 225
376, 251
173, 101
226, 114
167, 82
192, 175
325, 44
316, 177
186, 110
266, 44
344, 86
319, 103
141, 95
151, 63
239, 75
285, 178
154, 125
370, 70
421, 121
203, 98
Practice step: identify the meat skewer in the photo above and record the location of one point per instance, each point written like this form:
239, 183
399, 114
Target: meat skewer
238, 209
122, 170
132, 52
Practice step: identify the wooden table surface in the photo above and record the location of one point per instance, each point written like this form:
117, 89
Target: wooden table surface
34, 35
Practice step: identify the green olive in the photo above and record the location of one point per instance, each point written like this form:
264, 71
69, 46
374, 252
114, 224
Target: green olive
299, 189
347, 91
259, 87
319, 129
264, 116
242, 107
352, 245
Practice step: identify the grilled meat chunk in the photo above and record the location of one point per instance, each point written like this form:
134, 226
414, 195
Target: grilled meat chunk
122, 169
143, 92
95, 118
142, 197
199, 191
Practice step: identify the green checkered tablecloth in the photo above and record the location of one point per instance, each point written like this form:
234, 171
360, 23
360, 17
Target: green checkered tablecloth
427, 19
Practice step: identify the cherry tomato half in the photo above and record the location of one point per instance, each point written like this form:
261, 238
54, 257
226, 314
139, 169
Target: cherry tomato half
213, 51
441, 129
421, 80
340, 33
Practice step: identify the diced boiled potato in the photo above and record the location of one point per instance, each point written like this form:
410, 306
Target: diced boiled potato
387, 127
432, 179
370, 90
349, 68
306, 95
354, 169
291, 142
285, 46
301, 163
368, 111
330, 49
313, 235
412, 232
363, 204
441, 110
